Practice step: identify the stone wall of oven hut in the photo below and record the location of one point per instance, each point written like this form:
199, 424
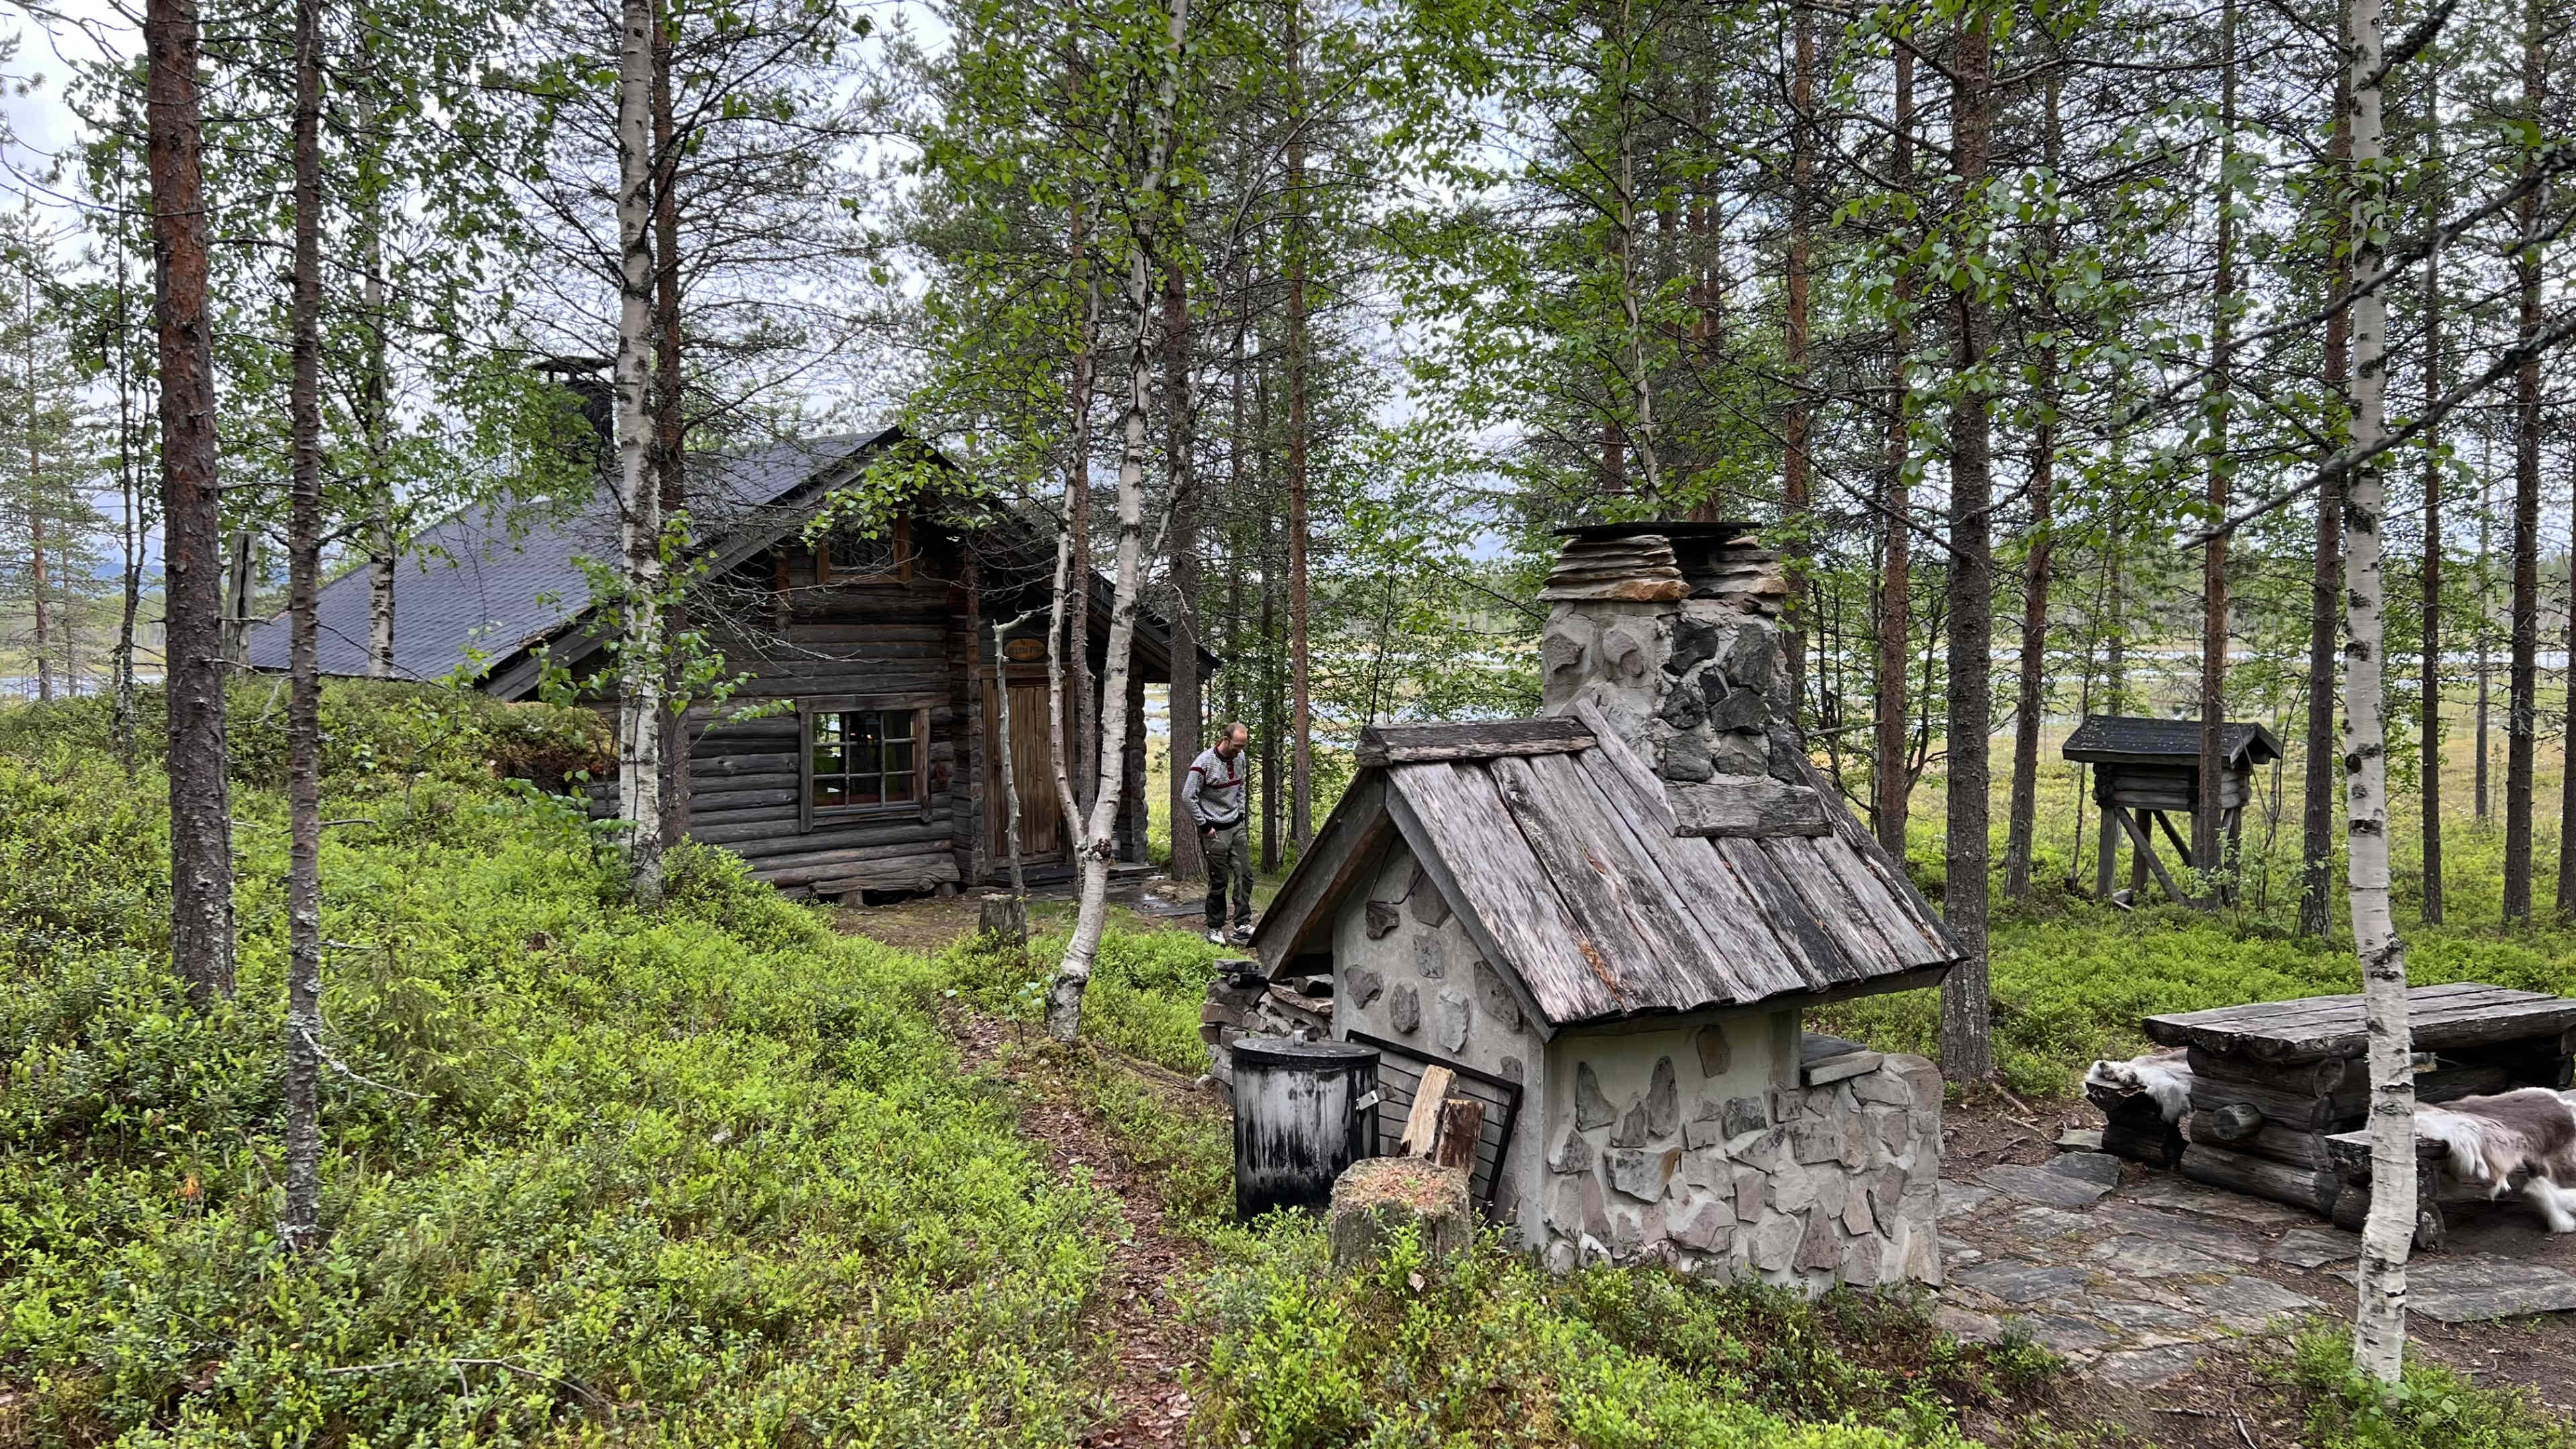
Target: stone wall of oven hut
1678, 1146
1411, 975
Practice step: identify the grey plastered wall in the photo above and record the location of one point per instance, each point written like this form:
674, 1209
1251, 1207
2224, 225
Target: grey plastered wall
1409, 972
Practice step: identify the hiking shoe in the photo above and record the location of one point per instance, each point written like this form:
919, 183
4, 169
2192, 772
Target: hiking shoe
1216, 938
1243, 934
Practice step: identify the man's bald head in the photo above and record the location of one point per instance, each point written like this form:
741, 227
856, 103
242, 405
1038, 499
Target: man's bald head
1236, 736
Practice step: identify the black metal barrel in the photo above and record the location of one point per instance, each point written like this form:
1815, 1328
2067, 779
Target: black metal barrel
1303, 1111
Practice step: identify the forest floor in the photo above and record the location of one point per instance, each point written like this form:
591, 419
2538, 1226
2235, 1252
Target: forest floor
1148, 1339
2175, 1302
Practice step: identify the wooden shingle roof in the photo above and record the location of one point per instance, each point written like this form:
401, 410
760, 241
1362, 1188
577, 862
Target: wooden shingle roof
2138, 740
1556, 845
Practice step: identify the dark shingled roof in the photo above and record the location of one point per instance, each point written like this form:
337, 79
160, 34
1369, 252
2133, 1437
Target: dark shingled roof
2135, 740
1553, 842
472, 586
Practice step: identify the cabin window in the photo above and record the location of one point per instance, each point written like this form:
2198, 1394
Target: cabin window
850, 556
862, 758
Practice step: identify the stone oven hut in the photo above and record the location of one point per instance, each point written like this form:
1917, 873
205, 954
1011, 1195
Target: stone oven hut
1608, 921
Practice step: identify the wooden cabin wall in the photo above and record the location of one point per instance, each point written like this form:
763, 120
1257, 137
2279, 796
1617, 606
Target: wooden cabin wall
794, 636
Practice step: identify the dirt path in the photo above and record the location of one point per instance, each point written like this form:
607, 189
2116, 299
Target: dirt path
1149, 1338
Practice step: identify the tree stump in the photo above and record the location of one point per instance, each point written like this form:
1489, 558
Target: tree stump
1377, 1197
1003, 917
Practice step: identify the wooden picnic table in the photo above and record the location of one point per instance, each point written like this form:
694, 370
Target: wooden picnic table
2454, 1015
2275, 1082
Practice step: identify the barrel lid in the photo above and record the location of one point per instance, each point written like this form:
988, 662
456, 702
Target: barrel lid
1281, 1051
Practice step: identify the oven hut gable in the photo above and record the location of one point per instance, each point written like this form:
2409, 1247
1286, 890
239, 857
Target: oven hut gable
1570, 867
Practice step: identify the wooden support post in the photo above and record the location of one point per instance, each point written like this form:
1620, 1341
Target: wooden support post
2110, 853
2147, 856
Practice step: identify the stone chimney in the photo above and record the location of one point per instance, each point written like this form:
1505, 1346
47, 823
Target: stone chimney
1671, 632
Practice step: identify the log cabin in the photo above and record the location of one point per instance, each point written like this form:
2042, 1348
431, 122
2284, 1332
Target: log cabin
873, 760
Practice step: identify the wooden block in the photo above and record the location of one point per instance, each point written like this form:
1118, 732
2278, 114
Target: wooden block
1454, 1142
1422, 1124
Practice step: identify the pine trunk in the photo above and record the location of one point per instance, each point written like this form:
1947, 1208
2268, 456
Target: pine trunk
124, 727
302, 1225
1189, 724
1795, 487
1301, 703
2430, 769
2325, 598
2030, 700
1967, 1052
1892, 779
668, 457
2379, 1334
2208, 847
2522, 674
639, 765
201, 856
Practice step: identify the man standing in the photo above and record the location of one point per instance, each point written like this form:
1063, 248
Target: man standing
1214, 793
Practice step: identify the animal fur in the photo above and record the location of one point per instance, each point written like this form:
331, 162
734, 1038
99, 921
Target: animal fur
2163, 1076
2530, 1131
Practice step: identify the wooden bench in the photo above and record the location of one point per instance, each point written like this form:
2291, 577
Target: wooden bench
2276, 1083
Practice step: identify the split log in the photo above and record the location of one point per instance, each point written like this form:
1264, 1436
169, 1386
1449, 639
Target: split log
1462, 1121
1422, 1123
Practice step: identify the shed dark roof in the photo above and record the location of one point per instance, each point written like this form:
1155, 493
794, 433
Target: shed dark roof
481, 584
1556, 846
2134, 739
487, 583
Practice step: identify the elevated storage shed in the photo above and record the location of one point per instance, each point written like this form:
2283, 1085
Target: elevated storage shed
2147, 771
1607, 924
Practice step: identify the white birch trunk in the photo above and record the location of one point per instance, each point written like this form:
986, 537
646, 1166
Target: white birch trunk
639, 753
2379, 1331
1098, 842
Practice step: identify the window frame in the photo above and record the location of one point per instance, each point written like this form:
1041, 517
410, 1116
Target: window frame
898, 534
808, 711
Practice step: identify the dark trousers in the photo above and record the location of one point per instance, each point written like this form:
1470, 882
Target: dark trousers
1229, 858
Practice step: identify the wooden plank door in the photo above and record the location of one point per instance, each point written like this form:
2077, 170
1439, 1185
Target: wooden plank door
1041, 813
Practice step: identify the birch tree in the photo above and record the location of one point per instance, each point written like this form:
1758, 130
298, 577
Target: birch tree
2379, 1338
1148, 207
639, 499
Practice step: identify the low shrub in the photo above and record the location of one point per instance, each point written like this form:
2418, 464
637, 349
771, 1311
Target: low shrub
1489, 1350
705, 1173
2430, 1407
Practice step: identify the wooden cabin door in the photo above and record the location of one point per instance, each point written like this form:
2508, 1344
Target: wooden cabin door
1041, 813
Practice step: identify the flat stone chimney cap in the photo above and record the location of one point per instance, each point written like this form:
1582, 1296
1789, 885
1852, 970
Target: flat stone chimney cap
1718, 532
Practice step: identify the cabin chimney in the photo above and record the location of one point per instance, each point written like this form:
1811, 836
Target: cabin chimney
1672, 632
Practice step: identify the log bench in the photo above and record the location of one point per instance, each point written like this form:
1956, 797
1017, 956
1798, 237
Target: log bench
2280, 1089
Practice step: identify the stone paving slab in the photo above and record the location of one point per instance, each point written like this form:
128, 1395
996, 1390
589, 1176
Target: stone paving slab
2314, 1247
2165, 1191
2138, 1283
2473, 1290
2039, 1185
